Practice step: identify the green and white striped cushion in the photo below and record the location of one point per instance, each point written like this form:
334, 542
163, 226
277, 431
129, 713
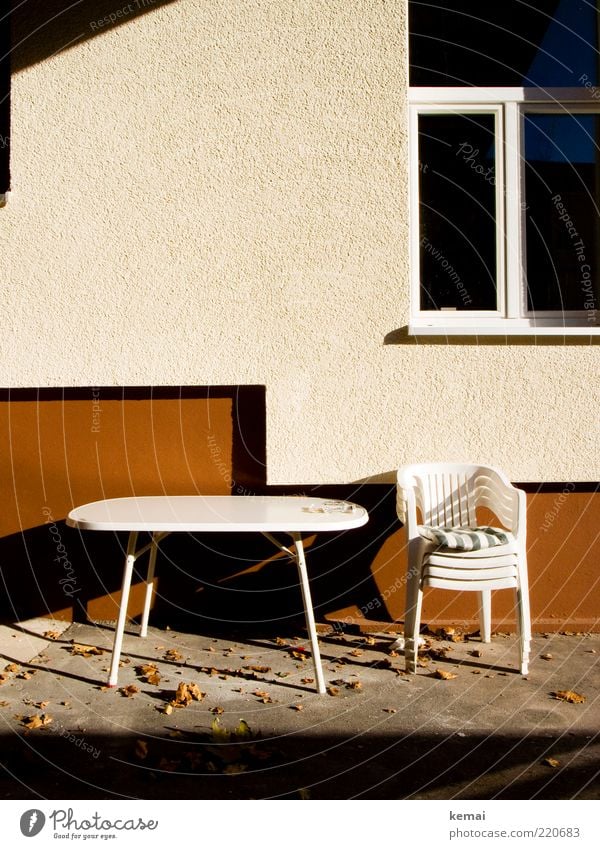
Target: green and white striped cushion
465, 539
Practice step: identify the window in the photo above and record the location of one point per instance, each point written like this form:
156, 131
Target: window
504, 111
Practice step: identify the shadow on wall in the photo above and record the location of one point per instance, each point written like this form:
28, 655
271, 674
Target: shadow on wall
43, 28
4, 104
34, 30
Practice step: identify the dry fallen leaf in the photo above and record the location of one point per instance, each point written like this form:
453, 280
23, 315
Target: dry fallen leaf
264, 697
546, 656
212, 671
141, 749
333, 691
173, 654
196, 692
185, 694
149, 673
569, 696
297, 707
129, 691
11, 667
445, 676
51, 635
354, 685
168, 709
370, 641
85, 651
476, 653
35, 721
549, 761
280, 641
390, 710
4, 678
4, 703
299, 654
356, 652
437, 653
218, 710
233, 769
262, 669
41, 705
26, 675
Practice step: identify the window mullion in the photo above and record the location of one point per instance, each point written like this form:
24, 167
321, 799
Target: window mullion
513, 198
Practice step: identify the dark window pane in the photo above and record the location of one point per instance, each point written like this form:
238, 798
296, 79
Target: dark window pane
507, 43
4, 101
457, 212
562, 221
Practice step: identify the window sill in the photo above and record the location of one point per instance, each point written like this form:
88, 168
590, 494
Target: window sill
506, 327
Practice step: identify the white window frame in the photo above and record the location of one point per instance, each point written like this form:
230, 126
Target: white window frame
508, 105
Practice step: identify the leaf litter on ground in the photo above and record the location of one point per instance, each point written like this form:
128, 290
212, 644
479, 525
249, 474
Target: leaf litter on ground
149, 673
35, 721
85, 651
569, 696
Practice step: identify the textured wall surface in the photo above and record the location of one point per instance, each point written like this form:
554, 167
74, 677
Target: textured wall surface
215, 193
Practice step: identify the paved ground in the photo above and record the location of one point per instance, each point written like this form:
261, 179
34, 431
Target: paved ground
250, 726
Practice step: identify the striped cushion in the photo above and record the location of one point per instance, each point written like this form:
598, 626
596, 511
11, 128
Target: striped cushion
465, 539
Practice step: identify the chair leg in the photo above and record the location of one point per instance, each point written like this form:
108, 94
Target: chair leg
485, 616
414, 603
524, 619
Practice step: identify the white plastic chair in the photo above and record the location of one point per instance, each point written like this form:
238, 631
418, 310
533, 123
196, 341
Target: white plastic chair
447, 495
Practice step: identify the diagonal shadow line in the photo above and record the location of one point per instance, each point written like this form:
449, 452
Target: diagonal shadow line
42, 28
42, 667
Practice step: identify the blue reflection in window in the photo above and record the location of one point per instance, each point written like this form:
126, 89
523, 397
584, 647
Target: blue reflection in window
560, 138
567, 55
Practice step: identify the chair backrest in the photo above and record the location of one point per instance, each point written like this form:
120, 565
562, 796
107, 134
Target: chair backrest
447, 494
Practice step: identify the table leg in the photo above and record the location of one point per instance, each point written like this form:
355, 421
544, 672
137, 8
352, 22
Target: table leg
149, 586
308, 611
126, 584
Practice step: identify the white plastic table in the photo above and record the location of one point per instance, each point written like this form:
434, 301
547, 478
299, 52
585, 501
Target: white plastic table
161, 515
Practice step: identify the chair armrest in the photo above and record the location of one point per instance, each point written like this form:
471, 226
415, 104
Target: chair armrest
406, 508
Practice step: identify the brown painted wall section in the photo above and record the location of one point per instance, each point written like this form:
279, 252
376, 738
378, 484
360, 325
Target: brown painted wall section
563, 543
66, 447
62, 448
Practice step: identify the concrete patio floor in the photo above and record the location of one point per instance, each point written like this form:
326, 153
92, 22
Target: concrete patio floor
253, 727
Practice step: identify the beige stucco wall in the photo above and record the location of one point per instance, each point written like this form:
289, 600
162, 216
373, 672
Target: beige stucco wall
216, 192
